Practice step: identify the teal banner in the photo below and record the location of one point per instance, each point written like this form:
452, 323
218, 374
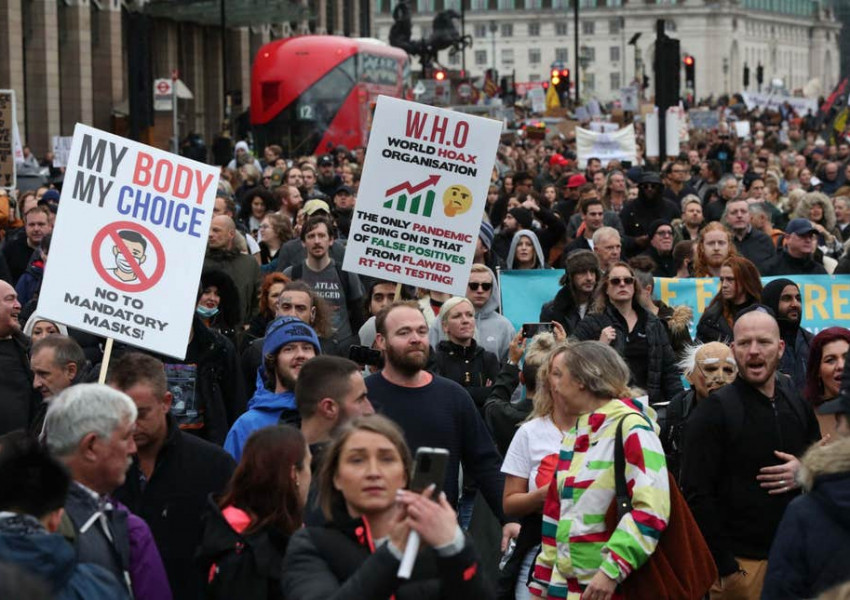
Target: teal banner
826, 298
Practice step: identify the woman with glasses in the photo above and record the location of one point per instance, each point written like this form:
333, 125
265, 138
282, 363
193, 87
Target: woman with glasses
740, 287
617, 318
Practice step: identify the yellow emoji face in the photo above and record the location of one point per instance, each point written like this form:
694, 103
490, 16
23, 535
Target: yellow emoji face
457, 200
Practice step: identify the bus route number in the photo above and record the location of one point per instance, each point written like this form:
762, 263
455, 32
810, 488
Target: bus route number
305, 112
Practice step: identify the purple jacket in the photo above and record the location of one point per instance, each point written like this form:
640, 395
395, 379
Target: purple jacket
147, 572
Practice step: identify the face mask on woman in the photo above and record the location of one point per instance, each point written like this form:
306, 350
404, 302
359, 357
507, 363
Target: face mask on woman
206, 312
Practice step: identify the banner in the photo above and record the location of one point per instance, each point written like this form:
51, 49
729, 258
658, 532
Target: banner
774, 101
8, 129
704, 119
618, 145
129, 241
421, 196
826, 298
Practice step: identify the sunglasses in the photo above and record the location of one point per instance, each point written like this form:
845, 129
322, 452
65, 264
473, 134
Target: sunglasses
621, 280
475, 286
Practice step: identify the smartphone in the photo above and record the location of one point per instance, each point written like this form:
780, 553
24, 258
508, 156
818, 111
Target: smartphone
626, 164
529, 330
364, 355
429, 467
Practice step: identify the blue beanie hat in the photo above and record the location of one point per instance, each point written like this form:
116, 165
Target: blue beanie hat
486, 234
285, 330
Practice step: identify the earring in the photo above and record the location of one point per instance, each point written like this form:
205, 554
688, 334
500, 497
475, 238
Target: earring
297, 484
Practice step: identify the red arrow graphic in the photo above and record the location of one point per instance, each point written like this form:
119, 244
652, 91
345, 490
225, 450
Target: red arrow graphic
432, 180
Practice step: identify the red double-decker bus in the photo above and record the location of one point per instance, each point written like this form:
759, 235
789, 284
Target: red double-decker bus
312, 93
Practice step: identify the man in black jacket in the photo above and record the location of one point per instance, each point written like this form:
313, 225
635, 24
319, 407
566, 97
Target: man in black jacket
638, 215
19, 402
171, 474
740, 457
796, 258
752, 244
570, 304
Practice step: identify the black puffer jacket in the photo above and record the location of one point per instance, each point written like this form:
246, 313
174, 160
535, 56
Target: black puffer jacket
340, 561
662, 380
471, 366
713, 327
562, 309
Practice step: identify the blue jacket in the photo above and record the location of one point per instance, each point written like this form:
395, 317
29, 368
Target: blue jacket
264, 409
25, 543
809, 553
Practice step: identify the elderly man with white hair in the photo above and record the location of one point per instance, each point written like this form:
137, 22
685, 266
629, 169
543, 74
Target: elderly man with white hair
89, 427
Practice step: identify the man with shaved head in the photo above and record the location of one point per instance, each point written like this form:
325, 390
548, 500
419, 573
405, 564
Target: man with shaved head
740, 456
223, 256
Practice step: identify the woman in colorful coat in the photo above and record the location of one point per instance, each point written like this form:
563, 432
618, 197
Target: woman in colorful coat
581, 556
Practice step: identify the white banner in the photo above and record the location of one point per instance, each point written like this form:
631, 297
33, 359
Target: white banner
672, 132
129, 241
774, 101
617, 145
421, 196
61, 150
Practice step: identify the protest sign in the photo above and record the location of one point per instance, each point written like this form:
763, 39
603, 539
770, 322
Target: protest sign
672, 132
603, 127
421, 196
629, 98
61, 150
7, 139
129, 241
774, 102
704, 119
742, 128
618, 145
826, 298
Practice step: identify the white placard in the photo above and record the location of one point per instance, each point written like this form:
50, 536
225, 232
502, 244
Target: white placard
742, 128
629, 98
8, 139
422, 195
129, 241
617, 145
672, 132
61, 150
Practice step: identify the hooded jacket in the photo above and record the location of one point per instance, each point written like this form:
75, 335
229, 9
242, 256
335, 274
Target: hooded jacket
662, 378
495, 331
470, 366
809, 553
264, 409
577, 541
538, 250
26, 544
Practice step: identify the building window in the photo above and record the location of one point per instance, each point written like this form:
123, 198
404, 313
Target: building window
590, 53
534, 56
480, 57
615, 82
560, 28
614, 26
560, 4
477, 4
590, 81
507, 30
588, 27
533, 29
506, 5
534, 4
480, 31
452, 5
614, 54
425, 6
454, 59
562, 54
534, 77
507, 57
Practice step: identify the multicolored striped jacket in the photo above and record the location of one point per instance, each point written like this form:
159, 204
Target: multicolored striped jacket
576, 541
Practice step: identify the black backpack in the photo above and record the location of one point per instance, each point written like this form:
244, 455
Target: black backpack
251, 568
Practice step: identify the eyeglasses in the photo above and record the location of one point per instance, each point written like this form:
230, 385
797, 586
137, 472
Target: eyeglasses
621, 280
475, 286
664, 233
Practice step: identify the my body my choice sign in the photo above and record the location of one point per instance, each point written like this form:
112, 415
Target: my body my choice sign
129, 241
422, 194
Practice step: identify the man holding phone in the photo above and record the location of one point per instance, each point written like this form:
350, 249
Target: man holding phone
433, 411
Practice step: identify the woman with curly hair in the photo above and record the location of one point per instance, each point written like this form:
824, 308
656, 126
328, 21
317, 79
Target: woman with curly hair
817, 208
714, 245
740, 287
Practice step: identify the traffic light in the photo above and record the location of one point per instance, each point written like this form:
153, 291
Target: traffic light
564, 85
439, 74
667, 71
690, 77
746, 76
555, 77
759, 75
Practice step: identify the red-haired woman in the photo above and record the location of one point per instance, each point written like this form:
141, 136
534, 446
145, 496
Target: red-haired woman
825, 367
248, 530
271, 289
740, 287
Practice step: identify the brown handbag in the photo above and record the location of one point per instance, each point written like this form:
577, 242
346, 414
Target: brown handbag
681, 568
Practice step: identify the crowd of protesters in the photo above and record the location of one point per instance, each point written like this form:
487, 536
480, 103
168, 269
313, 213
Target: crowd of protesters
274, 461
